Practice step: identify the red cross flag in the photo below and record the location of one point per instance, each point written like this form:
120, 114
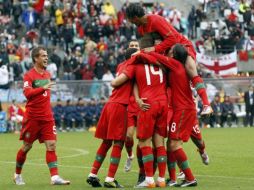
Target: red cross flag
223, 65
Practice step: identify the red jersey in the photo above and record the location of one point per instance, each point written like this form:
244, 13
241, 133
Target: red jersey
133, 106
150, 79
181, 92
122, 93
171, 37
38, 100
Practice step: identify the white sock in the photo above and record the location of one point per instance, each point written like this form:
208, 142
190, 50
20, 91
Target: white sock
109, 179
161, 179
150, 179
92, 175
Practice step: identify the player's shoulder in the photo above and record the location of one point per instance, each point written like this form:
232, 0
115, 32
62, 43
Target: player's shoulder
153, 17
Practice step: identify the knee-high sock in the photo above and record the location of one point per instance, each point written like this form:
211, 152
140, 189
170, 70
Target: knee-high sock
198, 84
155, 161
171, 165
100, 155
20, 160
114, 160
129, 145
140, 162
51, 160
147, 158
161, 160
183, 163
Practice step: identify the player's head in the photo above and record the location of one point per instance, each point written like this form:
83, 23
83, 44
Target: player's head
129, 52
134, 44
134, 13
149, 40
179, 53
40, 56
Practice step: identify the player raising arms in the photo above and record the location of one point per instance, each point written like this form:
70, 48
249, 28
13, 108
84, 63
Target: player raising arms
38, 122
155, 23
112, 128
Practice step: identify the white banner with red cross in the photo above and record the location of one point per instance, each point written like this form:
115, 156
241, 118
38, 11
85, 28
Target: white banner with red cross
223, 65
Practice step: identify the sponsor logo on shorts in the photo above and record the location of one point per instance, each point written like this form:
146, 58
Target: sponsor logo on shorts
27, 135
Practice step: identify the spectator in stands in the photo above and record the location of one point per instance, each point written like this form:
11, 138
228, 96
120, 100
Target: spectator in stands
4, 77
58, 114
52, 69
107, 77
209, 45
227, 112
232, 19
249, 106
3, 122
192, 23
174, 18
245, 10
92, 115
15, 116
215, 118
28, 17
78, 115
68, 115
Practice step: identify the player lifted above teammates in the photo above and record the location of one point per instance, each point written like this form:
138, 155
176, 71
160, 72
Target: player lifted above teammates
155, 23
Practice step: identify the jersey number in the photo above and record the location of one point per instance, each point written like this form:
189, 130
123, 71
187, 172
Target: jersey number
148, 77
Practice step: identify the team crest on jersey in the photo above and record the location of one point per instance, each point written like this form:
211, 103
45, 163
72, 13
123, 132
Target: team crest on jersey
45, 93
27, 135
26, 84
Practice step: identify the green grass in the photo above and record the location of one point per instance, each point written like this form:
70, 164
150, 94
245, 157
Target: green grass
231, 152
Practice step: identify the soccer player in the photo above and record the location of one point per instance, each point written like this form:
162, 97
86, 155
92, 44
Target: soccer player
184, 111
152, 123
112, 128
155, 23
38, 122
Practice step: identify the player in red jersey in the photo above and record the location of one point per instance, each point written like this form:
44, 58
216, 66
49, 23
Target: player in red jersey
155, 23
184, 111
38, 122
112, 128
151, 84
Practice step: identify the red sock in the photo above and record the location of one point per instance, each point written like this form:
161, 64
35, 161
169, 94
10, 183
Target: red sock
171, 165
147, 158
140, 162
51, 160
155, 163
128, 145
161, 160
100, 155
183, 163
20, 160
114, 160
198, 84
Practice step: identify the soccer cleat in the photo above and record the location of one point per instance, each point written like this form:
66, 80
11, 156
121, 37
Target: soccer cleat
207, 110
57, 180
160, 184
141, 178
93, 181
113, 184
145, 184
127, 166
204, 157
171, 183
186, 183
18, 180
181, 176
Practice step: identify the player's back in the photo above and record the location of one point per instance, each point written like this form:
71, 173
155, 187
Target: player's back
151, 82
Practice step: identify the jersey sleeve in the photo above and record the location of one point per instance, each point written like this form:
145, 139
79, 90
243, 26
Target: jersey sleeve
129, 71
146, 58
166, 61
28, 90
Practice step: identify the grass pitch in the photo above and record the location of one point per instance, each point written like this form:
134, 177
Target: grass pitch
231, 152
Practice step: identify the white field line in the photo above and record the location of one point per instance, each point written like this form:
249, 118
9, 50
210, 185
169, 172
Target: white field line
86, 167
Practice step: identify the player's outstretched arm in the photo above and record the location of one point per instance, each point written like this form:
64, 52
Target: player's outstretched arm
166, 61
119, 80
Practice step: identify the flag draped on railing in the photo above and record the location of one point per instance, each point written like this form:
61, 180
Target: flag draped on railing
223, 65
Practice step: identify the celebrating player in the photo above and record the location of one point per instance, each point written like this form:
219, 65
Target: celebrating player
38, 122
155, 23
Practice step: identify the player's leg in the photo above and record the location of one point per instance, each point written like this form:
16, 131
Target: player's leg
161, 159
198, 84
142, 175
115, 157
171, 163
20, 160
99, 158
129, 142
51, 159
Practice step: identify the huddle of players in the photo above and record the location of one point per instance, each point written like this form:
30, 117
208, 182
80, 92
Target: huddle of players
147, 74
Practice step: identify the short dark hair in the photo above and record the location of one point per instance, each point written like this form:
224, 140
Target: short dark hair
135, 9
180, 53
129, 52
36, 52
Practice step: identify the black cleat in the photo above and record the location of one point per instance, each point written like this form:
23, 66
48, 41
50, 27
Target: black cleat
141, 178
93, 181
113, 184
186, 183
